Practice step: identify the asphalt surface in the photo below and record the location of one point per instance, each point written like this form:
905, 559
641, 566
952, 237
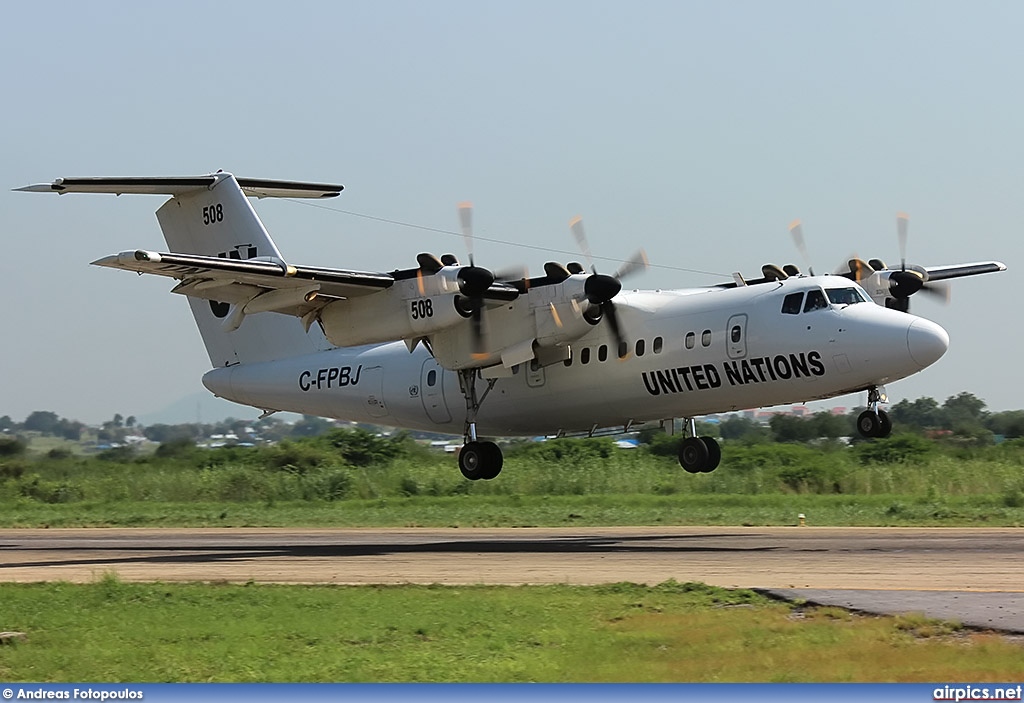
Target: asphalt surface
972, 575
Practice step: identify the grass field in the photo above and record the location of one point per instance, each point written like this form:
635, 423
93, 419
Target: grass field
112, 631
527, 511
356, 479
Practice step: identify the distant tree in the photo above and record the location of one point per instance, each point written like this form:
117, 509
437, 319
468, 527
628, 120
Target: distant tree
918, 415
742, 429
118, 420
69, 429
130, 421
7, 424
965, 413
1009, 424
831, 426
168, 433
42, 421
788, 428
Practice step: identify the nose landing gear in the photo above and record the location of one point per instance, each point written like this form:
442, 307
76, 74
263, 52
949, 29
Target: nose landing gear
874, 422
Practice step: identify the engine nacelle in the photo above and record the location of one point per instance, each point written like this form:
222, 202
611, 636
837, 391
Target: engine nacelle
562, 312
400, 312
893, 284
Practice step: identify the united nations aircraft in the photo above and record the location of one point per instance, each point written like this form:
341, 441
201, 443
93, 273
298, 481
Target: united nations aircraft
454, 348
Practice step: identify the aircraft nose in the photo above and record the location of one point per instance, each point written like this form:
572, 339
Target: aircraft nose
926, 342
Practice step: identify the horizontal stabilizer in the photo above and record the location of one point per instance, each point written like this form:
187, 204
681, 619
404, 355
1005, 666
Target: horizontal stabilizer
177, 185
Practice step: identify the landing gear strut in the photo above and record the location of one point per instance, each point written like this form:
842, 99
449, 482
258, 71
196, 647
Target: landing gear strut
477, 460
873, 422
698, 455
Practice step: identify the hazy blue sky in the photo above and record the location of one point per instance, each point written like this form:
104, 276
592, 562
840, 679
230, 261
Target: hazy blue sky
696, 129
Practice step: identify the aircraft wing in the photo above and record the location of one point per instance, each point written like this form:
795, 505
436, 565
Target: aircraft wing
294, 288
942, 273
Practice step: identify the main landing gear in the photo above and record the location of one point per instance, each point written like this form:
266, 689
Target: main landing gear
873, 422
698, 455
477, 460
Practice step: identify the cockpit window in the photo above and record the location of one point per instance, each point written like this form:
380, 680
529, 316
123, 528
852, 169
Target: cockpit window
815, 300
845, 296
792, 303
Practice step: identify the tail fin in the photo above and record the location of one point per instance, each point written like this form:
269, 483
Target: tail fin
211, 215
220, 221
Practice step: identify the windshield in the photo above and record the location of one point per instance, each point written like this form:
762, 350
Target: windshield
846, 296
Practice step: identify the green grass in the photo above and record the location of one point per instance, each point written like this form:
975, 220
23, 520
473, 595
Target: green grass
354, 479
114, 631
527, 511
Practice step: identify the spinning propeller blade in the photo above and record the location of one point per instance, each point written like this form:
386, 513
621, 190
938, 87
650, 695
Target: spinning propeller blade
796, 229
601, 288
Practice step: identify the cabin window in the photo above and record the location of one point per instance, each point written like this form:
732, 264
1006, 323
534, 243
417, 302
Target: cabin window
705, 338
431, 377
815, 301
691, 340
735, 334
585, 355
792, 303
602, 352
639, 347
623, 350
659, 343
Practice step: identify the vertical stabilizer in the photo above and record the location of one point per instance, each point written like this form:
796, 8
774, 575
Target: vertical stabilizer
220, 221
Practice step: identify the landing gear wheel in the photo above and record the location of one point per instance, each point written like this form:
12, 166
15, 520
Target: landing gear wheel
472, 460
694, 455
493, 460
886, 425
714, 454
870, 423
480, 460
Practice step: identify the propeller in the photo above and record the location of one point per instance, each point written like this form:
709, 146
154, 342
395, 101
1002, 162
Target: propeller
473, 282
796, 230
912, 279
599, 288
905, 281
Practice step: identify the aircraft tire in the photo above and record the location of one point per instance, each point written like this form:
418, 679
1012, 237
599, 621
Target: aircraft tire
693, 455
885, 428
869, 424
714, 454
472, 459
493, 461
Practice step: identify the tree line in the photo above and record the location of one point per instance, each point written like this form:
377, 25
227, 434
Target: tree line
962, 418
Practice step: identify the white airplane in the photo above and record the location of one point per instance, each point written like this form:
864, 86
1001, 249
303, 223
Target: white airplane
448, 348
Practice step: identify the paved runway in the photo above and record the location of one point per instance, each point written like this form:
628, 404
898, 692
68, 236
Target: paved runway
844, 562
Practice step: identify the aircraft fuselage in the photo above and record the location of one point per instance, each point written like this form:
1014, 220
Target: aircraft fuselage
691, 353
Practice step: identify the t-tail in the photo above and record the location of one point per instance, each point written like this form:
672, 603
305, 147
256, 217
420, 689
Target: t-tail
211, 216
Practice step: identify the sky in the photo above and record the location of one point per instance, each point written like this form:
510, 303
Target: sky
697, 130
